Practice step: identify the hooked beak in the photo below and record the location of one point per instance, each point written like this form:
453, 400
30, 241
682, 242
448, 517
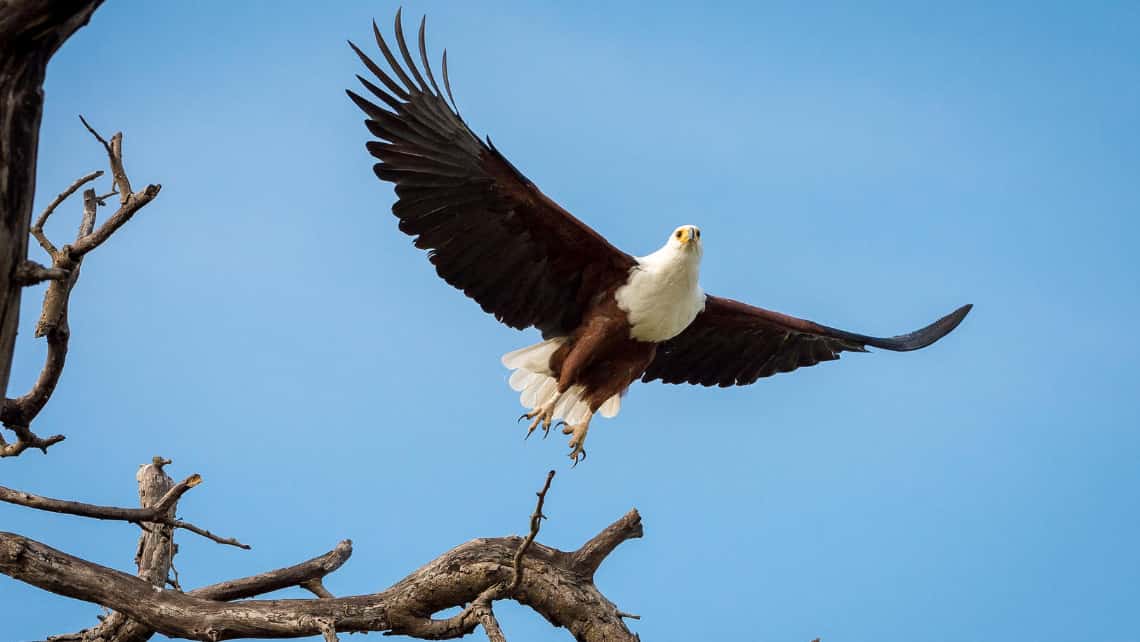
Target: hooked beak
688, 236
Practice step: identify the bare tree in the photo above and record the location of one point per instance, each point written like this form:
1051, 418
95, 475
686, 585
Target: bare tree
559, 585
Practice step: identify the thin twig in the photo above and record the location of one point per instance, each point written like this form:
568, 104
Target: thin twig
535, 523
228, 541
38, 227
115, 156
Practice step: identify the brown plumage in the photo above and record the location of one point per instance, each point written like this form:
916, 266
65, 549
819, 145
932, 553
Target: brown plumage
609, 318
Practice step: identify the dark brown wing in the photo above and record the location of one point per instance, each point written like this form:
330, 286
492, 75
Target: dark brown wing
488, 230
732, 343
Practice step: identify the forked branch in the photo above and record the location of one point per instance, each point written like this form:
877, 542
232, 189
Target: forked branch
17, 414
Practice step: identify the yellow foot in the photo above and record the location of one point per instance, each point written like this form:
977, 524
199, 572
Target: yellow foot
577, 439
542, 416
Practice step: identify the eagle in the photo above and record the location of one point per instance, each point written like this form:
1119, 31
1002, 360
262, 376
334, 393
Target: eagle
607, 318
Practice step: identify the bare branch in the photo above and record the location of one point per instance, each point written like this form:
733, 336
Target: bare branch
156, 514
31, 273
302, 574
134, 203
298, 575
463, 575
18, 414
135, 515
38, 226
115, 156
130, 202
587, 559
310, 571
535, 523
26, 439
228, 541
628, 616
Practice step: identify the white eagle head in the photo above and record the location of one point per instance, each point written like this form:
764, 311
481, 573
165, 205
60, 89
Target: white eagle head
686, 239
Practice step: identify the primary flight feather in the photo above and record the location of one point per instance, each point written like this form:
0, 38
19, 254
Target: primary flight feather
608, 318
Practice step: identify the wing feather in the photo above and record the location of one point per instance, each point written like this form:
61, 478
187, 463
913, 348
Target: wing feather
732, 343
488, 229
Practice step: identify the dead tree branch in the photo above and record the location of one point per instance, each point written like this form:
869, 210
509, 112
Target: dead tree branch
535, 523
300, 575
17, 414
557, 585
38, 226
160, 512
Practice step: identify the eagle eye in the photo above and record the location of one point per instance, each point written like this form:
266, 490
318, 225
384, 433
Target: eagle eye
678, 234
698, 234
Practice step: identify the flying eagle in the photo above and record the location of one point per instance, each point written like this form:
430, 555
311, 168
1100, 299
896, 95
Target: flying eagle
608, 318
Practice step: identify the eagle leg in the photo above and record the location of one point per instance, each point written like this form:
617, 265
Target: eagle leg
542, 415
578, 438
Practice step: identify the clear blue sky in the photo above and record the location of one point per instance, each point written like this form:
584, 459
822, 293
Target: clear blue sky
870, 166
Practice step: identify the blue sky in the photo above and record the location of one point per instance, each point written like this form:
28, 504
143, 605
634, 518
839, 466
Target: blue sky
870, 166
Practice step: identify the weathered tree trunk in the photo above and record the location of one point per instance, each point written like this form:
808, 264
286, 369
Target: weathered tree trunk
30, 33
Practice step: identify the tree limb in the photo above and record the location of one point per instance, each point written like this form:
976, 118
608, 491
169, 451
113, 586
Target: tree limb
159, 513
553, 586
298, 575
306, 572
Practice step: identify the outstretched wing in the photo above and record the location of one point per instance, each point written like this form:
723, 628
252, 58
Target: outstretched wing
488, 230
733, 343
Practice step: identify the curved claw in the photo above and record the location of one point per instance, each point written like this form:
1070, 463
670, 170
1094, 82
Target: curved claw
522, 416
579, 455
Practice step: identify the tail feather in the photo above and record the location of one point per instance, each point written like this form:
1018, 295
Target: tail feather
534, 379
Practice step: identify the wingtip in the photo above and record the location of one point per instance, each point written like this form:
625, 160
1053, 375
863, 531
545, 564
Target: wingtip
926, 336
956, 316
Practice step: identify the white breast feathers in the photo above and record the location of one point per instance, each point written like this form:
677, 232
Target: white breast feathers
662, 295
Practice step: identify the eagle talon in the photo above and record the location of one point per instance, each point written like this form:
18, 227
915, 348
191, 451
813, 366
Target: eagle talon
541, 416
578, 455
577, 440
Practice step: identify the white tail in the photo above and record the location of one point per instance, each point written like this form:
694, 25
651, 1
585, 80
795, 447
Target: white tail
533, 377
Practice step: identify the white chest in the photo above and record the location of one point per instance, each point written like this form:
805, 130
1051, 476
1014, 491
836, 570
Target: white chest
661, 298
